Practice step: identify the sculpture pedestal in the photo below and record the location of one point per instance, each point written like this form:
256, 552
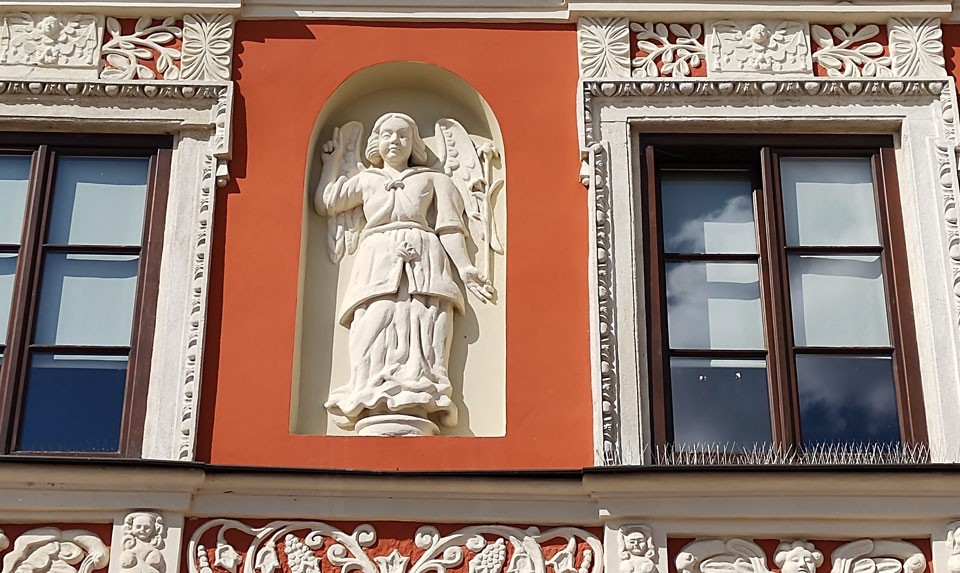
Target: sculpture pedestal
396, 425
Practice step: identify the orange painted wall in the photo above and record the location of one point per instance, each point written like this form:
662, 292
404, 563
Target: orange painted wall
285, 72
951, 48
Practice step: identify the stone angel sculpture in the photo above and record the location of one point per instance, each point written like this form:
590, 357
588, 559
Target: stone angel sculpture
407, 218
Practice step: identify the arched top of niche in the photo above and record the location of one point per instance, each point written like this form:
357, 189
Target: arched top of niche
423, 91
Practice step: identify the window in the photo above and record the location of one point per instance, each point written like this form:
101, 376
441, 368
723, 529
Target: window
81, 224
779, 310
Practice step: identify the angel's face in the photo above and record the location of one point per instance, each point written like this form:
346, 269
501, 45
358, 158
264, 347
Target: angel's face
396, 141
143, 527
799, 560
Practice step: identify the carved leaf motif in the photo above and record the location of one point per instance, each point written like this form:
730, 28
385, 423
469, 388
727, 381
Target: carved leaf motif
124, 55
661, 56
604, 47
853, 56
207, 46
227, 557
266, 560
916, 47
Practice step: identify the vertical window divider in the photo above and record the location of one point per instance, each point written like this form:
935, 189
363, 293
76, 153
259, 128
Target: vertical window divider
21, 322
902, 329
781, 319
657, 315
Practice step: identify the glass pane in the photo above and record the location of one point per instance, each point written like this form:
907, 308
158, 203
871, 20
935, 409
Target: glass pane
720, 402
14, 178
99, 201
838, 301
829, 201
847, 399
73, 403
87, 299
714, 305
707, 212
8, 269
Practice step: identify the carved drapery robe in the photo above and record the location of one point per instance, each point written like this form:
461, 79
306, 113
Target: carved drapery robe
400, 299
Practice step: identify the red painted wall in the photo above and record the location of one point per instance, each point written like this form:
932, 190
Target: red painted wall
285, 73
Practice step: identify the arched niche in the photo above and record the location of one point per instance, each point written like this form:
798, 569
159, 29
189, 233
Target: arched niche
478, 360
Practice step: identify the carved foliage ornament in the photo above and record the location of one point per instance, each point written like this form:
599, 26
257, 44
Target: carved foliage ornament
50, 550
878, 556
124, 54
304, 546
673, 50
604, 47
745, 556
916, 47
848, 51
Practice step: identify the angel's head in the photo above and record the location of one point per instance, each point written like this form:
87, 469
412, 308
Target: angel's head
797, 557
145, 526
395, 140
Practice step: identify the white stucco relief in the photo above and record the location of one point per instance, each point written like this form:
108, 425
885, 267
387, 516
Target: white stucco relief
142, 542
797, 557
638, 554
308, 544
404, 292
50, 550
758, 47
850, 51
673, 50
894, 556
721, 555
604, 47
916, 47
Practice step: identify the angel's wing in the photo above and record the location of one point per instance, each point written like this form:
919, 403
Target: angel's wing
459, 159
344, 225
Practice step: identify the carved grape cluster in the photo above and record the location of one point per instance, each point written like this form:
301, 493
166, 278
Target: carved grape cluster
299, 557
491, 559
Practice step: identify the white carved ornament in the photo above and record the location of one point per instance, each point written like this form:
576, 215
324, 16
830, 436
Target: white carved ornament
50, 550
916, 47
638, 554
142, 542
721, 556
303, 546
849, 51
124, 54
878, 556
604, 47
661, 55
758, 47
953, 544
50, 40
797, 556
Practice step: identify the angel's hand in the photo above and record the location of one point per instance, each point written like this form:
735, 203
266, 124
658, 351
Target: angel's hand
328, 149
477, 284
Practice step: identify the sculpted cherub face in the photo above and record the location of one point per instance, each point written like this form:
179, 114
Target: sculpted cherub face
143, 527
395, 141
799, 560
636, 543
759, 34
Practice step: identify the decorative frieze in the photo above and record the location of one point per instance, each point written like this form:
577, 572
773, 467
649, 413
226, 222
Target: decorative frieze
738, 48
705, 555
50, 550
911, 48
304, 546
88, 46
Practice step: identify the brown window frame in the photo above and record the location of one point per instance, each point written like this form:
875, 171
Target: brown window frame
43, 148
772, 254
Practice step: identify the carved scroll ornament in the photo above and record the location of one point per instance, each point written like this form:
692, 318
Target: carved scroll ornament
305, 546
50, 550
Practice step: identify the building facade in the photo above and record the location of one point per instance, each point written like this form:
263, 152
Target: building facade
513, 286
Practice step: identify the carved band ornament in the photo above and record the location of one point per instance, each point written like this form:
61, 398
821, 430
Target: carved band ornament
615, 48
312, 546
88, 46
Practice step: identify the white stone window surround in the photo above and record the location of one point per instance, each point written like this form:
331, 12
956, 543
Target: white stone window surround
197, 115
921, 114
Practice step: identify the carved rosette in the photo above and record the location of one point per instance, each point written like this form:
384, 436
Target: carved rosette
207, 46
50, 550
305, 546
